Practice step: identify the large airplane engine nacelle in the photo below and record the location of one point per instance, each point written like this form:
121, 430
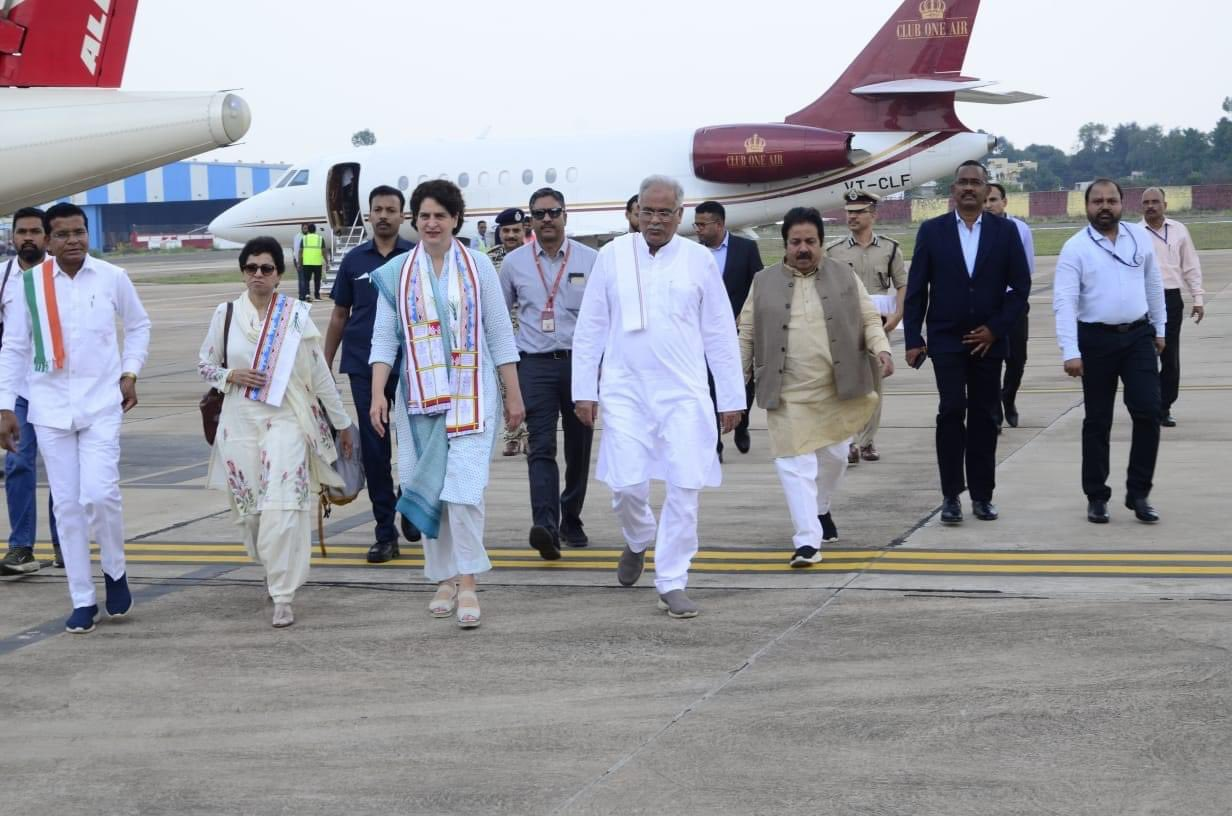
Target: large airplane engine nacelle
747, 154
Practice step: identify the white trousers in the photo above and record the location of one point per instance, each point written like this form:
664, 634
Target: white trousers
280, 541
674, 537
809, 481
459, 550
83, 469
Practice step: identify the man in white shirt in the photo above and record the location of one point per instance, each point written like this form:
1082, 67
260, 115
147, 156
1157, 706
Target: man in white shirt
1108, 297
656, 314
1178, 265
65, 337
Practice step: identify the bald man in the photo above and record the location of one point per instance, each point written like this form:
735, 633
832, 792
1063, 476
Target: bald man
1178, 263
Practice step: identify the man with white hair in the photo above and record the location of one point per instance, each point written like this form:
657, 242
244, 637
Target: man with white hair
656, 314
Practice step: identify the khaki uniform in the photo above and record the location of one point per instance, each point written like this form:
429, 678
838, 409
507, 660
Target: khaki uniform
880, 267
519, 434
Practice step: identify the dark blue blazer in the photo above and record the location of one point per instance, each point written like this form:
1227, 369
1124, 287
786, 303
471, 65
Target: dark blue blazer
951, 303
743, 262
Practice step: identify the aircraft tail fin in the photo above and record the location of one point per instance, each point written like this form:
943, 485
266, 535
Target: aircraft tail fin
901, 80
65, 43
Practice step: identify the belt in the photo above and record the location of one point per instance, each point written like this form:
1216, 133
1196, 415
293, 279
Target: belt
1119, 328
559, 354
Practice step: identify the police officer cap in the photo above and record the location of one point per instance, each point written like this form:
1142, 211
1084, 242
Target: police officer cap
858, 200
510, 216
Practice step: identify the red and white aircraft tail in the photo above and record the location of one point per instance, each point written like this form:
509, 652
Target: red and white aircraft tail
39, 38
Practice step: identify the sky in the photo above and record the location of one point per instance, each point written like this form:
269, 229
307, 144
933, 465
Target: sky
314, 72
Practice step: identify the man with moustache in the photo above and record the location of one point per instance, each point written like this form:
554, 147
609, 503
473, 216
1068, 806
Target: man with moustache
21, 468
350, 324
1178, 265
814, 372
1108, 296
656, 315
739, 260
1016, 359
969, 282
543, 283
80, 386
878, 263
510, 235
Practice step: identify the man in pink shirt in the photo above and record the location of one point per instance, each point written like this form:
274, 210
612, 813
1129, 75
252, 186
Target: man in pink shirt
1178, 262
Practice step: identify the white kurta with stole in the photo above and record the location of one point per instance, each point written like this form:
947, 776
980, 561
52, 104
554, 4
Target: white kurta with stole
270, 460
655, 325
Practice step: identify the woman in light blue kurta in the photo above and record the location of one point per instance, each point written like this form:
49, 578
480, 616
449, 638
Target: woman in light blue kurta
445, 418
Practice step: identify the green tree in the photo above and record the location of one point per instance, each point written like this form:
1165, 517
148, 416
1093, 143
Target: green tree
363, 138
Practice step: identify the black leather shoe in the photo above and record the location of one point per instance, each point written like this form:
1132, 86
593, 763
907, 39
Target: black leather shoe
951, 511
574, 536
984, 510
1097, 511
383, 551
1011, 415
1142, 510
409, 531
544, 540
1168, 421
742, 440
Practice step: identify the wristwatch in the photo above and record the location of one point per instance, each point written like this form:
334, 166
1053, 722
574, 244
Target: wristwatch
129, 374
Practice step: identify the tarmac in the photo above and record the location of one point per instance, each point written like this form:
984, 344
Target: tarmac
1033, 665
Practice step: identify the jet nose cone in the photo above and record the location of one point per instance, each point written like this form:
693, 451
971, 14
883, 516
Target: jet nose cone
223, 226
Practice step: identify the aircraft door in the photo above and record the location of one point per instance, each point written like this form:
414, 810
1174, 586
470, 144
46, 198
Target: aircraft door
342, 205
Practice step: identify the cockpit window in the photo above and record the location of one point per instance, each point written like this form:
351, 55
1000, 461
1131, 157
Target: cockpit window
286, 177
300, 180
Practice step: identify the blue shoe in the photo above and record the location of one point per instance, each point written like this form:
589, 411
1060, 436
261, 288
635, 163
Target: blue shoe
119, 599
82, 620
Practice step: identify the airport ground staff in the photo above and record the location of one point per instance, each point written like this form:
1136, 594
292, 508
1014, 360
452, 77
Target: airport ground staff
1108, 296
311, 259
1177, 259
80, 386
350, 325
543, 282
878, 263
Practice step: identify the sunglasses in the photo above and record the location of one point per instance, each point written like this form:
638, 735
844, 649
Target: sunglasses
542, 215
259, 269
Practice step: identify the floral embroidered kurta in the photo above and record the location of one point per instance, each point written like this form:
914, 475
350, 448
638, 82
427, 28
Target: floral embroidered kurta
270, 458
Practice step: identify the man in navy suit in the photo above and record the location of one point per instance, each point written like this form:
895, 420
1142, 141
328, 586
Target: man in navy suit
969, 283
739, 260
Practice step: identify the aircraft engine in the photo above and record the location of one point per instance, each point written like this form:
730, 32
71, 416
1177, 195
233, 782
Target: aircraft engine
749, 154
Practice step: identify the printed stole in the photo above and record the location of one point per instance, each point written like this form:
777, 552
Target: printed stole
276, 348
441, 325
40, 286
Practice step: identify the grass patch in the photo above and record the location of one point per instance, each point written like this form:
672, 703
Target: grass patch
228, 276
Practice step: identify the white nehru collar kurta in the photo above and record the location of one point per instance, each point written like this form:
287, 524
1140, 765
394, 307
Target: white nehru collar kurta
654, 400
88, 386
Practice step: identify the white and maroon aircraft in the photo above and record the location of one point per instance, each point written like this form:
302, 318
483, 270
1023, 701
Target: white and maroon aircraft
888, 124
65, 129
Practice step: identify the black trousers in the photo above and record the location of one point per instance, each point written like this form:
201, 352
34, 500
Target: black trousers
969, 388
547, 392
377, 455
307, 275
750, 391
1016, 362
1170, 360
1106, 356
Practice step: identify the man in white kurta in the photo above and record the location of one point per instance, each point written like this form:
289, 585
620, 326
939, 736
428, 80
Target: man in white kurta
655, 314
76, 406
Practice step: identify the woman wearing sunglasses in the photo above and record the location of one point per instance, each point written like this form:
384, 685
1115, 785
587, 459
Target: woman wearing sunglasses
273, 447
441, 305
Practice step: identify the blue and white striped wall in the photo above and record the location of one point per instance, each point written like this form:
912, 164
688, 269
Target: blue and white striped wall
185, 181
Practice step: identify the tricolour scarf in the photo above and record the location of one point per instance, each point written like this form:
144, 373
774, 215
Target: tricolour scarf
45, 327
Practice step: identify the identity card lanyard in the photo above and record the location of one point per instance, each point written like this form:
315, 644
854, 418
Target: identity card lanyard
547, 322
1138, 259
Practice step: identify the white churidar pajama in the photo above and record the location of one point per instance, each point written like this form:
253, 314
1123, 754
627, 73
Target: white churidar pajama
809, 482
76, 411
658, 420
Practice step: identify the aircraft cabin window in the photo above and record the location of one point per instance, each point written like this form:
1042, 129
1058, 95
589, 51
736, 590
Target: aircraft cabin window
527, 176
571, 175
504, 178
550, 175
300, 180
483, 179
282, 182
403, 183
464, 179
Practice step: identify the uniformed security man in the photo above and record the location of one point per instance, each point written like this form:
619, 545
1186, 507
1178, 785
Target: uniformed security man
509, 236
878, 262
312, 253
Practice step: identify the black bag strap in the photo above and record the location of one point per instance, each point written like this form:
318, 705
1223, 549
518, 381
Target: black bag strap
7, 270
226, 330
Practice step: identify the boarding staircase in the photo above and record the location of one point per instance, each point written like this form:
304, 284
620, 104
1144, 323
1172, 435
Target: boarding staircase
344, 240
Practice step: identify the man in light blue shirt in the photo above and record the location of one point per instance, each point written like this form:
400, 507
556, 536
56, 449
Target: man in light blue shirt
1108, 296
1016, 359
